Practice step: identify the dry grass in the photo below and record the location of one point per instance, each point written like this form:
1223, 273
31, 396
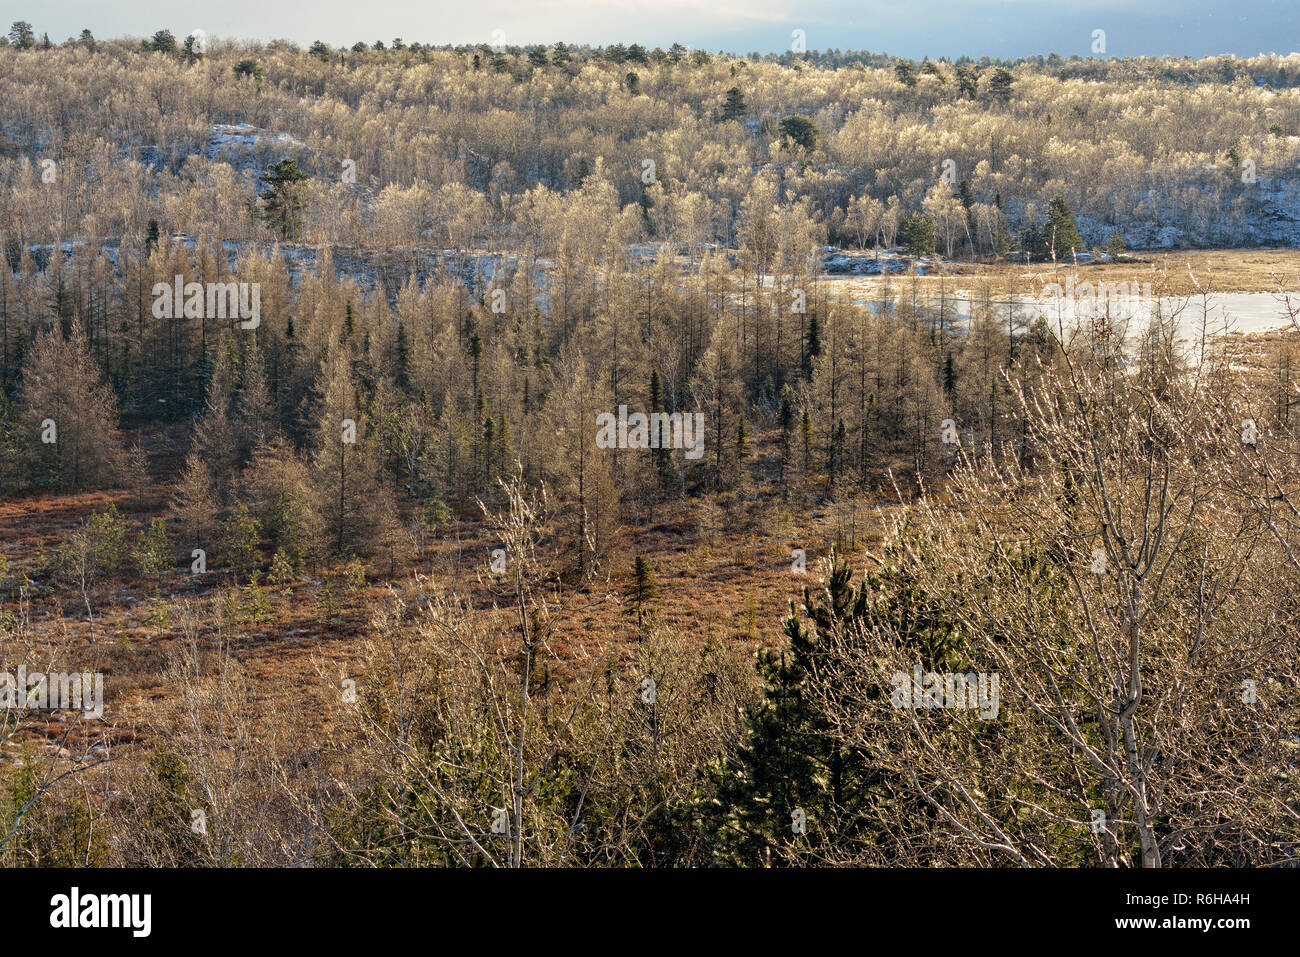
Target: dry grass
1223, 271
722, 567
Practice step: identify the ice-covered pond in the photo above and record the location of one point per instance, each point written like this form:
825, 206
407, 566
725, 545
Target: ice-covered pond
1243, 312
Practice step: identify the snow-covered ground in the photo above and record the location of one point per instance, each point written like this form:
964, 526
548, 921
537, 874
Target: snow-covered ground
244, 136
838, 263
247, 147
1221, 314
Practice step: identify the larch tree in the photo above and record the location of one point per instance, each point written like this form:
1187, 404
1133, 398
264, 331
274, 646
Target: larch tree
351, 498
71, 415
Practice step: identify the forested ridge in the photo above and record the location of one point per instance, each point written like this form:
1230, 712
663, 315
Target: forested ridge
370, 586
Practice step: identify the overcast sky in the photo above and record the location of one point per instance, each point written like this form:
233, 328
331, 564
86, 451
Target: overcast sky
912, 28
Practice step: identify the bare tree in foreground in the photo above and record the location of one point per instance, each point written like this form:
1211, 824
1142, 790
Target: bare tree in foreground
1132, 588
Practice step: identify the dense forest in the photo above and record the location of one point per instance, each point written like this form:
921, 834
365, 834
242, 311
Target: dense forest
303, 359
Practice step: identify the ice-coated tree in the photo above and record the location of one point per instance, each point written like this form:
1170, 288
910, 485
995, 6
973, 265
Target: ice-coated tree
70, 413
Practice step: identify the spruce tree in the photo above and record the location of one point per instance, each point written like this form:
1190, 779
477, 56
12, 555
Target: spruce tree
1060, 235
790, 758
787, 761
787, 425
641, 593
918, 236
812, 345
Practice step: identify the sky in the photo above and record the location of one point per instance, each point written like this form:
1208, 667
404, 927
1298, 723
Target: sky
910, 28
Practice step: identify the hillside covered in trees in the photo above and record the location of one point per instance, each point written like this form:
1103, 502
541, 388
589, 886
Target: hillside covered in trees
320, 379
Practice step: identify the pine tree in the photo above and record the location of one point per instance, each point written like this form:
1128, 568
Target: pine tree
191, 49
164, 41
285, 198
967, 82
734, 108
801, 131
1000, 81
1031, 240
254, 69
21, 35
